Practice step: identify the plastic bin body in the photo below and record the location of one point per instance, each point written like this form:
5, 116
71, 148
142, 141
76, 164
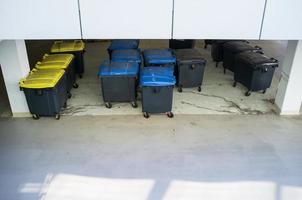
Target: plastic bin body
157, 90
230, 49
189, 68
127, 55
158, 57
122, 45
254, 70
118, 82
77, 48
181, 44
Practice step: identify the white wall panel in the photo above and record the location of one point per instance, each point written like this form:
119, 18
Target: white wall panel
218, 19
120, 19
283, 20
39, 19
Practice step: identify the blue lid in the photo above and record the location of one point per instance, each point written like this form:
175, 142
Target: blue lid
108, 68
159, 76
166, 70
126, 55
123, 44
159, 56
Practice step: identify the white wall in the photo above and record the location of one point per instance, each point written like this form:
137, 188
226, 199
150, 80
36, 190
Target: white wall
14, 65
119, 19
39, 19
283, 20
218, 19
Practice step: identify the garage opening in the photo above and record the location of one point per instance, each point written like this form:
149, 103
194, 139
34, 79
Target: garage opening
218, 96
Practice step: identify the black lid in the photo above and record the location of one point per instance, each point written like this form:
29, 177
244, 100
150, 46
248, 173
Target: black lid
239, 46
257, 60
188, 55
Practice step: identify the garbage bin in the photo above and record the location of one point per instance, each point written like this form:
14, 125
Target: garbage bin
217, 50
77, 48
122, 44
118, 82
230, 49
255, 71
181, 44
158, 57
127, 55
189, 68
60, 61
45, 92
157, 91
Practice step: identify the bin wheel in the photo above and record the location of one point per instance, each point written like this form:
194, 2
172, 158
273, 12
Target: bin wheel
217, 64
36, 116
80, 75
75, 85
108, 105
205, 46
69, 95
65, 105
235, 84
170, 114
179, 89
146, 115
134, 104
57, 116
264, 91
199, 89
248, 93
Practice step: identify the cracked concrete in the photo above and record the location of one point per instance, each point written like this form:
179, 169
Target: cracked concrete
218, 96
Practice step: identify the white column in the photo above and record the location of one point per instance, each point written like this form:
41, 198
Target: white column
14, 65
289, 95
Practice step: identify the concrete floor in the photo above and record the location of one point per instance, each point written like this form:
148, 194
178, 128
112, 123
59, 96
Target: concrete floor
214, 157
217, 96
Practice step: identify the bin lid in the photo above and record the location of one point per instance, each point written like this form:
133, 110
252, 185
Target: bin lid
64, 57
123, 44
51, 65
188, 55
108, 68
238, 46
157, 76
257, 60
39, 79
166, 70
159, 56
126, 55
67, 46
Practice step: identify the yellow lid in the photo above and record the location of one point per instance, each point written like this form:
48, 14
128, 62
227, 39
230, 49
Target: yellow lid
67, 46
66, 58
40, 79
51, 65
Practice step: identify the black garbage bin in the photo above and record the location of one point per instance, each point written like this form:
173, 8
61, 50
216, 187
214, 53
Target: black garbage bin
230, 49
75, 47
122, 44
254, 70
181, 44
60, 61
158, 57
45, 92
118, 82
157, 90
189, 68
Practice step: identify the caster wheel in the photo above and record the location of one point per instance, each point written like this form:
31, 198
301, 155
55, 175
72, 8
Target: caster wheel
36, 117
264, 91
69, 95
65, 105
75, 85
146, 115
170, 114
80, 75
134, 104
248, 93
179, 89
199, 89
234, 84
57, 116
108, 105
